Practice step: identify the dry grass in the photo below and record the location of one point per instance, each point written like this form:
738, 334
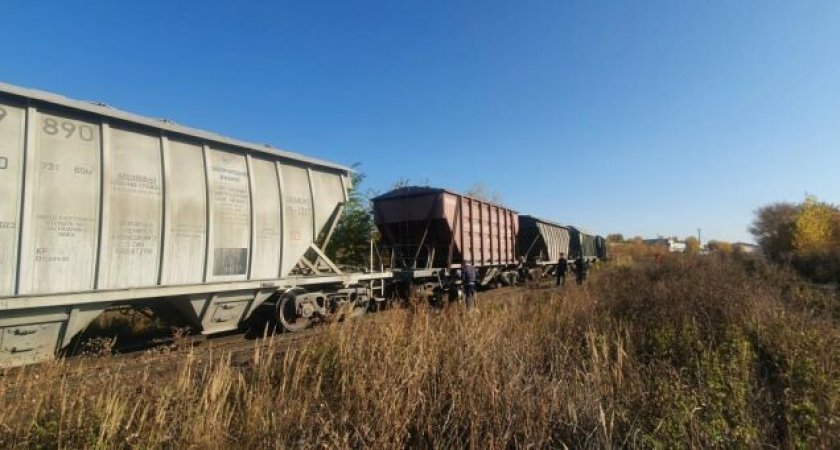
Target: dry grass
636, 251
690, 352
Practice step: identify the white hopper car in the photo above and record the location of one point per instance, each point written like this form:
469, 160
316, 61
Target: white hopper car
101, 208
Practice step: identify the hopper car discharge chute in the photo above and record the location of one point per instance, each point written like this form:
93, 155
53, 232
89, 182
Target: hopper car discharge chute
102, 208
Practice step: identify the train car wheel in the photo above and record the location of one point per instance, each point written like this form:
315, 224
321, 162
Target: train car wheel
292, 314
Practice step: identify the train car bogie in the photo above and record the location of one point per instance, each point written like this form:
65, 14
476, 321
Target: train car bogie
298, 309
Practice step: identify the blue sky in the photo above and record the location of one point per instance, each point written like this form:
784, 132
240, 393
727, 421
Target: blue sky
638, 117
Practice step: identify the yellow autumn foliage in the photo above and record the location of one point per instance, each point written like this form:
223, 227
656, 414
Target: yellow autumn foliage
814, 228
692, 245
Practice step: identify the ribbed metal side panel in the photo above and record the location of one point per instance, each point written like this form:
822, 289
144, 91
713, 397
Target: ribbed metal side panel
461, 229
556, 241
61, 203
99, 202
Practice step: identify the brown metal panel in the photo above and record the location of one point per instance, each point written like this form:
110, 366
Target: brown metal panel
511, 236
463, 227
508, 249
508, 252
476, 231
494, 219
450, 207
497, 231
486, 230
515, 229
485, 234
452, 210
474, 242
491, 254
479, 232
500, 225
459, 230
503, 236
500, 235
494, 233
482, 229
491, 235
466, 214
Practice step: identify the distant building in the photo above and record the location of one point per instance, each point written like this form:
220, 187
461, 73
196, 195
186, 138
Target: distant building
743, 247
673, 245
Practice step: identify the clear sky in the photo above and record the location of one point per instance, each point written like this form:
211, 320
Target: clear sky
638, 117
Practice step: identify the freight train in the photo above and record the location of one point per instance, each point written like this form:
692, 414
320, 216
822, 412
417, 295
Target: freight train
102, 208
431, 233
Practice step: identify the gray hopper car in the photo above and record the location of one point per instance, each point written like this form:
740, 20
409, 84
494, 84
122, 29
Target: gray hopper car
583, 244
541, 242
101, 208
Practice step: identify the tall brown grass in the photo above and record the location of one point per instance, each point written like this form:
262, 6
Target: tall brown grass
635, 251
689, 352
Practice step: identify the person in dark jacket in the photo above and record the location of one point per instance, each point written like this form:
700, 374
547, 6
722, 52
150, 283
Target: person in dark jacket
468, 279
522, 270
562, 268
580, 270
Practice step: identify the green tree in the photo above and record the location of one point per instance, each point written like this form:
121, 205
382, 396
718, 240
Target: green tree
773, 229
350, 243
805, 235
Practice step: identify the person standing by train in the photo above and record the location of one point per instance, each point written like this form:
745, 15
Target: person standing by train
580, 270
468, 279
562, 268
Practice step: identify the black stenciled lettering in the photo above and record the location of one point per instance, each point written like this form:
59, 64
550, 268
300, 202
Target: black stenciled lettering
2, 113
4, 162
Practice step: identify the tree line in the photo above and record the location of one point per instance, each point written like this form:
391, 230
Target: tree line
804, 236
